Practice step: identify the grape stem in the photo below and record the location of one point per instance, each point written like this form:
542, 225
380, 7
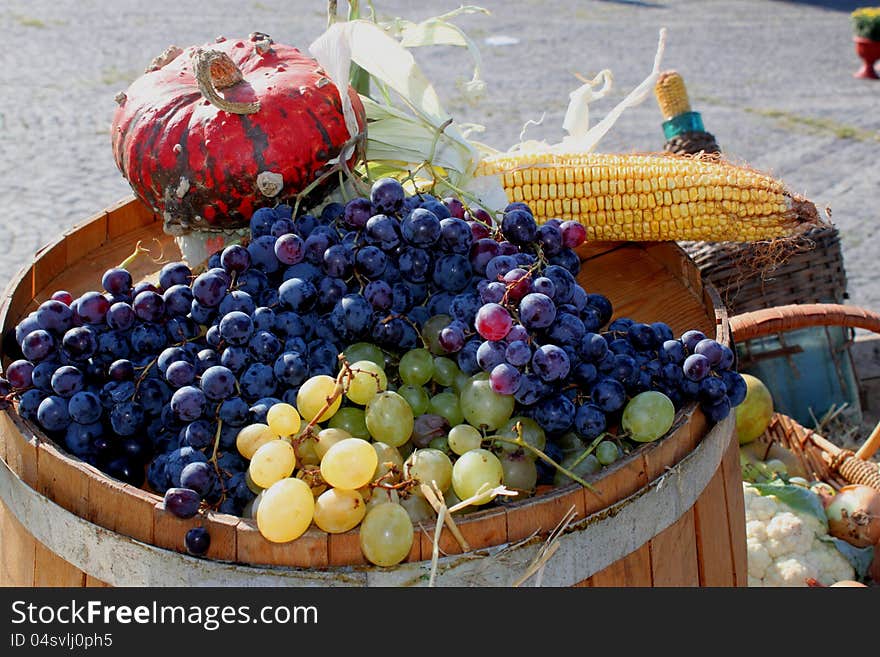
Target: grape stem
216, 443
138, 250
534, 450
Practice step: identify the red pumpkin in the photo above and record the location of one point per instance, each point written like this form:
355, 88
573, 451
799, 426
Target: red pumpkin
209, 134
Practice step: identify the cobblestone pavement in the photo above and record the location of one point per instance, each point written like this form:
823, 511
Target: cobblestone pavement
772, 79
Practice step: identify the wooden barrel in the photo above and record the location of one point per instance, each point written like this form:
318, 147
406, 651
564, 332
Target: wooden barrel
669, 514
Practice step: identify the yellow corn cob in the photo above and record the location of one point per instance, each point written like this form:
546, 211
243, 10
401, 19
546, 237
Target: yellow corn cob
651, 197
671, 94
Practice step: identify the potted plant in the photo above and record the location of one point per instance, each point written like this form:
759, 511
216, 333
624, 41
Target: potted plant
866, 25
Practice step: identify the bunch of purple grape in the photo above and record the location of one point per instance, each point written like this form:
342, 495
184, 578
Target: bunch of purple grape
539, 335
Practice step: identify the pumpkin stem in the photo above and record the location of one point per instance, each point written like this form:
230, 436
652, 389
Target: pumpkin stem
215, 71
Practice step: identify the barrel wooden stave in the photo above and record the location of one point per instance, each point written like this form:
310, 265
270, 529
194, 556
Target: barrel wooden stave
644, 281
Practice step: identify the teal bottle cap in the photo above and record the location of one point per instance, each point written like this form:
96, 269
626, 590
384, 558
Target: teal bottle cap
684, 122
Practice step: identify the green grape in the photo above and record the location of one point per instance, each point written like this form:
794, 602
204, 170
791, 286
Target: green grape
386, 534
382, 495
570, 442
386, 454
445, 371
283, 419
285, 510
368, 379
482, 406
389, 418
250, 483
427, 465
338, 510
327, 438
648, 416
251, 437
607, 452
431, 332
406, 449
418, 508
416, 396
364, 351
349, 464
350, 419
313, 395
474, 470
460, 382
272, 462
441, 443
416, 367
532, 434
447, 405
519, 472
306, 452
587, 466
463, 438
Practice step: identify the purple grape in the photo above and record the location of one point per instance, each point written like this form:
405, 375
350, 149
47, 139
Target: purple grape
382, 231
262, 252
518, 226
550, 239
609, 395
555, 413
482, 251
518, 282
493, 292
67, 381
490, 354
52, 413
182, 502
92, 307
727, 358
174, 273
452, 337
573, 234
455, 235
117, 281
710, 349
536, 311
517, 332
420, 227
20, 373
505, 379
209, 289
717, 411
338, 261
197, 541
498, 266
518, 353
696, 367
673, 351
543, 285
78, 344
590, 421
236, 328
235, 258
54, 316
642, 336
199, 476
264, 346
551, 363
415, 265
289, 249
180, 373
712, 390
188, 403
690, 339
297, 295
736, 387
387, 196
371, 262
149, 306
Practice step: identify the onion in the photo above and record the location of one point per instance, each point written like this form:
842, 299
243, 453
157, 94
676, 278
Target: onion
848, 583
854, 515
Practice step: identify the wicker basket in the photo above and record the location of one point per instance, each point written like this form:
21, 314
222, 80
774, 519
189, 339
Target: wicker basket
821, 458
750, 276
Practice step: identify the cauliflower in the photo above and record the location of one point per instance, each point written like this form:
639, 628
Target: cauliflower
784, 546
